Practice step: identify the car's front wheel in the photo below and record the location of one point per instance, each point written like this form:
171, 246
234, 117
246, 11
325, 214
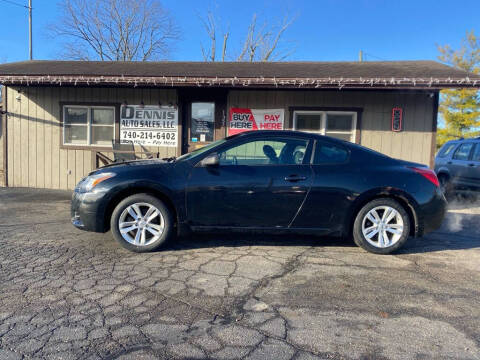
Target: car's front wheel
141, 223
381, 226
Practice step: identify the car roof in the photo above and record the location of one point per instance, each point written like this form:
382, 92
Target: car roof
288, 133
458, 141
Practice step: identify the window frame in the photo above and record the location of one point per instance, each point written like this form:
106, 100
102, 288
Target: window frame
89, 105
324, 111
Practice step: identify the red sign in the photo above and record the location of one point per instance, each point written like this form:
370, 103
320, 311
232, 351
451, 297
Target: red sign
397, 118
242, 120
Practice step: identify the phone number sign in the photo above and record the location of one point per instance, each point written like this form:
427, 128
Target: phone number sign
149, 125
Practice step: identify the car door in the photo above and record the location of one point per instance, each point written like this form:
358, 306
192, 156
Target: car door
459, 167
258, 183
331, 191
473, 170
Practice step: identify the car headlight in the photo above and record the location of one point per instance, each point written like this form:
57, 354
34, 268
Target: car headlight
89, 183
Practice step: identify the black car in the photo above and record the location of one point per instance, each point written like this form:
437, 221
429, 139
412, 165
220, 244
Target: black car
457, 165
278, 181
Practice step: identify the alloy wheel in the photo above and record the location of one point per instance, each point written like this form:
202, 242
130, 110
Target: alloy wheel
141, 224
382, 226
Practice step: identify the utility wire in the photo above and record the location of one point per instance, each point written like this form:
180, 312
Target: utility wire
15, 3
373, 56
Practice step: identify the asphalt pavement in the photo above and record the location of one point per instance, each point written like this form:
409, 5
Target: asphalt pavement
69, 294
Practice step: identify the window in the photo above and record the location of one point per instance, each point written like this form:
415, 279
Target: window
329, 154
476, 153
266, 152
203, 122
88, 125
463, 152
337, 124
446, 150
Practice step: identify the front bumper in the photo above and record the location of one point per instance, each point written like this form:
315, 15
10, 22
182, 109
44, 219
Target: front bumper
87, 211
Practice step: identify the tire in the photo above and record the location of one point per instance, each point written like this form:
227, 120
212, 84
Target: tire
397, 228
445, 185
153, 231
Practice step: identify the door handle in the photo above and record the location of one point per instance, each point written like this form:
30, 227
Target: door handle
449, 162
471, 164
294, 178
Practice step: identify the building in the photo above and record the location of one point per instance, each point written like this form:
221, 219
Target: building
58, 115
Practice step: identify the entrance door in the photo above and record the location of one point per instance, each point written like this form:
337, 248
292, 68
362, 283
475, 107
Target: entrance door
204, 117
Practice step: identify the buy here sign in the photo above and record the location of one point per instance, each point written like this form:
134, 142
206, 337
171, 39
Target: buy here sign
241, 120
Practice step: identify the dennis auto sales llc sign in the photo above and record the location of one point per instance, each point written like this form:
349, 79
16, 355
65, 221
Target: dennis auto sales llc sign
149, 125
241, 120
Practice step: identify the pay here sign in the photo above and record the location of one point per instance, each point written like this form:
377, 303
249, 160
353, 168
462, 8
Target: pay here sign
241, 120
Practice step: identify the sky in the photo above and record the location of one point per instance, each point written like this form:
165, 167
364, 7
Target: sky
323, 30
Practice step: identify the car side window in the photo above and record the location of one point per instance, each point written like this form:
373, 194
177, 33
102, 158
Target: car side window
476, 153
326, 153
463, 152
265, 152
446, 150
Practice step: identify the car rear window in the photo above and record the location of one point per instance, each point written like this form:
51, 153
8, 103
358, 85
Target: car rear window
446, 150
326, 153
463, 152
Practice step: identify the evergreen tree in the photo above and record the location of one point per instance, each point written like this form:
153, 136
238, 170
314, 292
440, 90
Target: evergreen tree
460, 108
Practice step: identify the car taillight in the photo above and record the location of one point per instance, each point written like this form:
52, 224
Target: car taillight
427, 174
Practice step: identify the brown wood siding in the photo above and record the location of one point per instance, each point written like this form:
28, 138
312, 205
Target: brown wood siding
413, 143
35, 155
3, 139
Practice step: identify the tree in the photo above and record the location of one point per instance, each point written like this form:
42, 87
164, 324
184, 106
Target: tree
460, 108
115, 30
262, 42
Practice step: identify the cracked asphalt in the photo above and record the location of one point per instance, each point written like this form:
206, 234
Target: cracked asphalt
68, 294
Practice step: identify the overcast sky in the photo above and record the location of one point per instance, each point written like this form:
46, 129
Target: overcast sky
324, 29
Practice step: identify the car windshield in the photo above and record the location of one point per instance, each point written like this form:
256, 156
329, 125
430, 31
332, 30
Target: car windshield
197, 152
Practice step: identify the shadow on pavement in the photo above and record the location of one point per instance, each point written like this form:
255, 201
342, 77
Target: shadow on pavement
199, 241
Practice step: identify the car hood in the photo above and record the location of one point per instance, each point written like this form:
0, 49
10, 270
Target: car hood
128, 164
135, 163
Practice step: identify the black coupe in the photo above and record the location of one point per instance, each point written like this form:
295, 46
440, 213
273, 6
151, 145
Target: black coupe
278, 181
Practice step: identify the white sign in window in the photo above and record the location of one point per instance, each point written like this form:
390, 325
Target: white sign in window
149, 125
88, 125
337, 124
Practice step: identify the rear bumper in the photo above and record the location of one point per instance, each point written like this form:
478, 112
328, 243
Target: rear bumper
86, 211
432, 213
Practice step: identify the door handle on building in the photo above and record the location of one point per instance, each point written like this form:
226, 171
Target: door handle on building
294, 178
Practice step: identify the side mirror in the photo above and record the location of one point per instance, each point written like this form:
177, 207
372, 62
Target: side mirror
211, 160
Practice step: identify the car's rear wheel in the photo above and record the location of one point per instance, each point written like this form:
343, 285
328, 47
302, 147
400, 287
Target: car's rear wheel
381, 226
141, 223
445, 184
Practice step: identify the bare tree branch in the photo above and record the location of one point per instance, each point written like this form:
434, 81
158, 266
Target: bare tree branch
121, 30
209, 24
262, 41
224, 47
269, 49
